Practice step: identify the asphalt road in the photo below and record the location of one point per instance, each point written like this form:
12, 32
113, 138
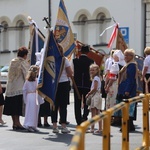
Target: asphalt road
46, 140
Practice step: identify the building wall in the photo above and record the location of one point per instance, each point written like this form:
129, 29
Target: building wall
15, 10
129, 13
148, 24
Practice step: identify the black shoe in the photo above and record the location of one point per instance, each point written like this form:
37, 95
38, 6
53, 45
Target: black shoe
131, 125
46, 125
116, 123
67, 122
83, 119
120, 130
21, 128
39, 125
130, 129
18, 128
14, 127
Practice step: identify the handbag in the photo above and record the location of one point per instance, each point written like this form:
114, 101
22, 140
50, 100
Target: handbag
89, 98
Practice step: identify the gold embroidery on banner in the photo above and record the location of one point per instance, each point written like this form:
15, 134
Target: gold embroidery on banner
50, 66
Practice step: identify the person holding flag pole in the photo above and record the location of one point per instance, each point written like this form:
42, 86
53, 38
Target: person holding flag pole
64, 36
51, 70
62, 95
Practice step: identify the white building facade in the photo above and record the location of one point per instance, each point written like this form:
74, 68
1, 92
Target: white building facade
87, 18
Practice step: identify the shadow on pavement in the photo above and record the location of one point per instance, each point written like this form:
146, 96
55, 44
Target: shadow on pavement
63, 138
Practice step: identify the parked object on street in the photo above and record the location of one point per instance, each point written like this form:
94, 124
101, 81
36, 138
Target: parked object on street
4, 76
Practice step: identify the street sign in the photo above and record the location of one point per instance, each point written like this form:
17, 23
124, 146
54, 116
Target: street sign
125, 33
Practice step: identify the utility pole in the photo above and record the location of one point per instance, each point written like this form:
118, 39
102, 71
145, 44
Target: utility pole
49, 11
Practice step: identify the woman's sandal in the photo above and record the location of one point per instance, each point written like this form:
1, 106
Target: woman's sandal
90, 131
2, 122
98, 132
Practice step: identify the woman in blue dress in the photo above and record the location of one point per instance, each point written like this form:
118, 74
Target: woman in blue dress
127, 85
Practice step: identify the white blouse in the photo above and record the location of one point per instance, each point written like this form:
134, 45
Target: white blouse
64, 77
96, 78
146, 63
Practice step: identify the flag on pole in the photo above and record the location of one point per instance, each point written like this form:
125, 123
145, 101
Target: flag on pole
113, 36
107, 29
63, 32
50, 69
36, 42
120, 43
93, 54
36, 45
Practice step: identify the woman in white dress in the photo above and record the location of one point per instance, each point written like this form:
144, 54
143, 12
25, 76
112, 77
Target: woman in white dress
31, 100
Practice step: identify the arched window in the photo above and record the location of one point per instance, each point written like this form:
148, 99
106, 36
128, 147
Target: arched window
4, 37
84, 28
20, 36
101, 25
89, 27
1, 29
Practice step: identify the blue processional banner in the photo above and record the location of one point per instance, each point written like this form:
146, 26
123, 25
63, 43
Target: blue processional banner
63, 32
50, 69
37, 43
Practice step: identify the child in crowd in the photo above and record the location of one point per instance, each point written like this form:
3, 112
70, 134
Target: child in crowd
31, 99
111, 86
44, 110
96, 102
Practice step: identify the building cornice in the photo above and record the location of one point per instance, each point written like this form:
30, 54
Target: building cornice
146, 1
5, 51
91, 21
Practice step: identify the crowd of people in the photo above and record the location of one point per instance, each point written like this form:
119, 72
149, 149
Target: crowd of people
118, 82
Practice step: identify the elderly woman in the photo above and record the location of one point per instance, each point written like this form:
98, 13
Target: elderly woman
127, 85
146, 71
14, 93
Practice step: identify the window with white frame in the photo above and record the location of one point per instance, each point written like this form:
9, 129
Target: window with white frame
4, 37
83, 28
75, 36
20, 34
101, 25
